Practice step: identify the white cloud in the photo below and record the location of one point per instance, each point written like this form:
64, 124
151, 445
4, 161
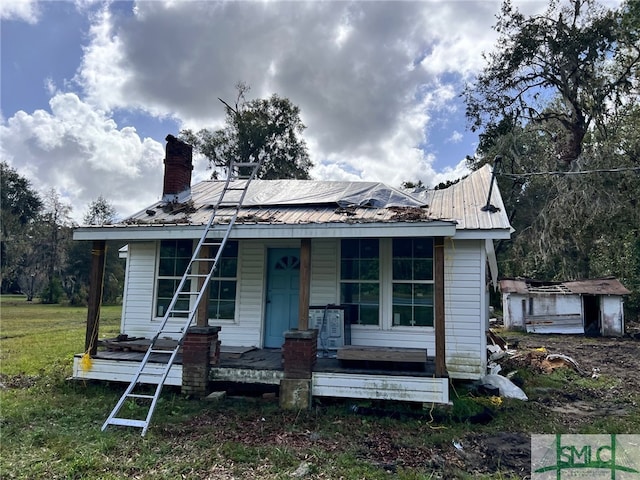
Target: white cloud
23, 10
351, 67
455, 137
371, 78
82, 154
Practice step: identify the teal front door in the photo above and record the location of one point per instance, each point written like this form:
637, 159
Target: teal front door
283, 285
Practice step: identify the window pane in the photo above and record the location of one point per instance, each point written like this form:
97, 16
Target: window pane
402, 315
349, 269
402, 269
166, 288
369, 269
423, 294
369, 248
423, 269
350, 248
349, 293
402, 294
423, 247
368, 315
369, 293
402, 247
424, 316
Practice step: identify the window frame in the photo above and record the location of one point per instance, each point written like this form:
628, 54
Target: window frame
193, 284
360, 281
413, 282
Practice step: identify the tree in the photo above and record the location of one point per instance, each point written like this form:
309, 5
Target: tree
267, 130
54, 241
19, 207
78, 267
577, 53
561, 109
100, 212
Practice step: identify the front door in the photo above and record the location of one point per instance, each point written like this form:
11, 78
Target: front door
283, 285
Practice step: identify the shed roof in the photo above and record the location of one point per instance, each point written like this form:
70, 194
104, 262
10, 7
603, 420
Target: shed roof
308, 202
595, 286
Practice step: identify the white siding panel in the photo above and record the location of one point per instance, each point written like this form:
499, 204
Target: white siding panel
246, 330
411, 389
464, 305
122, 371
137, 307
324, 272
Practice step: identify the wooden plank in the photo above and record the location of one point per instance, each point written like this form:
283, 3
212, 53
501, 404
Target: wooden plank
122, 371
305, 283
382, 354
96, 280
404, 388
438, 253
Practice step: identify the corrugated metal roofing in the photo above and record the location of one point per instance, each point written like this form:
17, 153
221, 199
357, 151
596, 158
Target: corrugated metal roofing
296, 202
463, 202
597, 286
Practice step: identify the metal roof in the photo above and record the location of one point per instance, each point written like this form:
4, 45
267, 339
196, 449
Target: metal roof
463, 202
307, 202
596, 286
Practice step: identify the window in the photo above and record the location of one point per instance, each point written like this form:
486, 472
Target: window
360, 280
412, 266
173, 262
174, 259
222, 288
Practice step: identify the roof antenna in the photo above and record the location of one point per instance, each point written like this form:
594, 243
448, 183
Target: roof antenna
496, 165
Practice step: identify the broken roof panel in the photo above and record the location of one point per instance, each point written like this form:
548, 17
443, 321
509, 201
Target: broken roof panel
309, 202
596, 286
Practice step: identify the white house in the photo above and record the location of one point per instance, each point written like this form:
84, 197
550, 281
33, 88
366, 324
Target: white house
592, 307
394, 266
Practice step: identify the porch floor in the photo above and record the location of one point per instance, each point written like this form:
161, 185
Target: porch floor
271, 359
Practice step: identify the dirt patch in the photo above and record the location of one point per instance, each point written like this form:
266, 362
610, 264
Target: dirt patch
17, 381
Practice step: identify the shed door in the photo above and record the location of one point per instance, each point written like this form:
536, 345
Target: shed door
283, 285
591, 309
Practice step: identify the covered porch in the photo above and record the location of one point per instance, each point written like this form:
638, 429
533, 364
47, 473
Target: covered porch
331, 377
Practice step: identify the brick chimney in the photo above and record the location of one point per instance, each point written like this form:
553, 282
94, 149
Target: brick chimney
177, 171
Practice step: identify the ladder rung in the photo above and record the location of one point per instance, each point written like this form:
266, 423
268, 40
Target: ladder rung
127, 422
211, 244
245, 164
153, 350
139, 395
172, 312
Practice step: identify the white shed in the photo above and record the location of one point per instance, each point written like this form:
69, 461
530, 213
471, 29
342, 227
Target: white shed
592, 307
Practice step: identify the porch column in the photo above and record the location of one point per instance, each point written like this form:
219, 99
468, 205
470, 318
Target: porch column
202, 316
438, 254
96, 284
305, 282
199, 347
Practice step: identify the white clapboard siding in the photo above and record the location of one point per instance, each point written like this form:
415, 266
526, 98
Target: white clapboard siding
465, 305
246, 329
123, 371
324, 272
382, 387
137, 309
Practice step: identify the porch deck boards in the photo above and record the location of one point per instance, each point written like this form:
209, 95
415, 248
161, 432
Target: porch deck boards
271, 359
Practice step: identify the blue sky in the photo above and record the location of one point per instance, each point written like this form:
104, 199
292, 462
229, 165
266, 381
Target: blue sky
90, 89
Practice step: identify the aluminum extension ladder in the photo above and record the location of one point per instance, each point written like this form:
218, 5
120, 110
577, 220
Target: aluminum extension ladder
232, 196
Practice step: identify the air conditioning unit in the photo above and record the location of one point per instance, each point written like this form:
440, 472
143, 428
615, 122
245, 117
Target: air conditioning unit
329, 321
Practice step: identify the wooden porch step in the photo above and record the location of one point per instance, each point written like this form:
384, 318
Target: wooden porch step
382, 354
